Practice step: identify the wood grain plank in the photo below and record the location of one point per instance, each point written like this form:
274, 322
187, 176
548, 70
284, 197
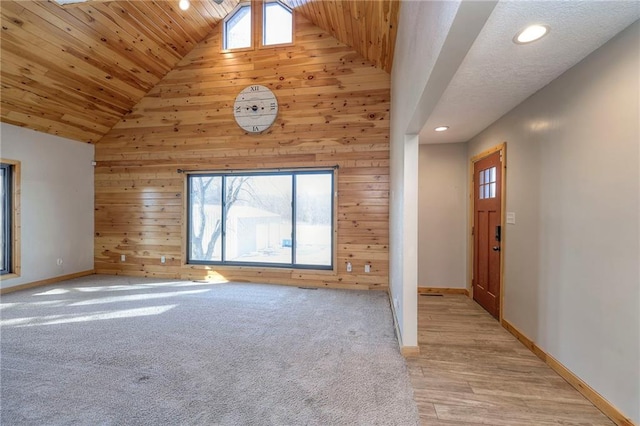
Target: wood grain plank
107, 54
333, 112
473, 372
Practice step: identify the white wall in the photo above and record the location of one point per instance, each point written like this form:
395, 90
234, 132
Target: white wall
422, 30
56, 203
572, 277
442, 215
433, 39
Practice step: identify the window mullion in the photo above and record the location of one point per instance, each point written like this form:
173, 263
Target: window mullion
293, 218
223, 219
257, 14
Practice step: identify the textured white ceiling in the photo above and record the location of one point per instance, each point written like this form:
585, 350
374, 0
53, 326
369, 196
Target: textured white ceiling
497, 74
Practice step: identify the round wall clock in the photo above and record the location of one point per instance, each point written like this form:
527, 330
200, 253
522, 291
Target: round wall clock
256, 108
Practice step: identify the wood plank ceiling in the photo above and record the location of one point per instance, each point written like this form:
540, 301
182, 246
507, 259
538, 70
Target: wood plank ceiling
368, 26
76, 70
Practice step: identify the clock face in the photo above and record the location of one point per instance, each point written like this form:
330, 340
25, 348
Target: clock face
256, 108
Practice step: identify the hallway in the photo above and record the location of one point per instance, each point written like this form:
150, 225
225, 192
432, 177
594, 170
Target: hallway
472, 371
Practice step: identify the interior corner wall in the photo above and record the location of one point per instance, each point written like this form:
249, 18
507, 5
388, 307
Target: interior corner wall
56, 203
442, 215
572, 281
422, 30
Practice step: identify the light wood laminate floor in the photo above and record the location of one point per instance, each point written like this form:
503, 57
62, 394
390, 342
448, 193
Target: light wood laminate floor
472, 371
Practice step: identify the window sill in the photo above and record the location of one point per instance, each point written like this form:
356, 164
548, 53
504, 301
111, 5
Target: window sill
9, 276
260, 268
275, 46
238, 50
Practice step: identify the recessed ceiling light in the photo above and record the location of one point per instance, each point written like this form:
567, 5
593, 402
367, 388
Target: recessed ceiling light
531, 33
184, 4
441, 128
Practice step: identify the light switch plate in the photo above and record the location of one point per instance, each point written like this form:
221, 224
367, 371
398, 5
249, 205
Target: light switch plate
511, 218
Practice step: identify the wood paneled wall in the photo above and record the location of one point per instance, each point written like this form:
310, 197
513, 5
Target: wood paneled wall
334, 110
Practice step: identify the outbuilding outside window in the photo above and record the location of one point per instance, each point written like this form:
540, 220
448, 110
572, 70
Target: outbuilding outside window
280, 219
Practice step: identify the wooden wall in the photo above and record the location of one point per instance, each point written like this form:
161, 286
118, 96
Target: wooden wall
334, 110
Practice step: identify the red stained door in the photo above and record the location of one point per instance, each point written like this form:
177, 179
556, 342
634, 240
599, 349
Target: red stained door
487, 232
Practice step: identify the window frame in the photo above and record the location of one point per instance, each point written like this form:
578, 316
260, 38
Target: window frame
280, 172
10, 203
264, 26
235, 10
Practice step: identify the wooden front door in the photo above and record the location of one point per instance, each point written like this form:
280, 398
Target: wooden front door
487, 232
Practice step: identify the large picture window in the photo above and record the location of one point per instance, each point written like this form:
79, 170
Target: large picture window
280, 219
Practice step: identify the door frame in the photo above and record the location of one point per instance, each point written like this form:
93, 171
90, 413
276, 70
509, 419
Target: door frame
502, 148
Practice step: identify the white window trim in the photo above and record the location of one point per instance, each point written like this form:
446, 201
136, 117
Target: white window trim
228, 18
264, 27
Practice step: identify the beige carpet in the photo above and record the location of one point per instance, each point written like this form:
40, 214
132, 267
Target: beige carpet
106, 350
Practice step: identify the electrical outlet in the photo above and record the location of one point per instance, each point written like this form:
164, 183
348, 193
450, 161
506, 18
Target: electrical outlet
349, 267
60, 261
163, 259
123, 258
367, 268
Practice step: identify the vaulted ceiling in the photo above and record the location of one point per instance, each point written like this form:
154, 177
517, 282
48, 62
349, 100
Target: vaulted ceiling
76, 70
369, 27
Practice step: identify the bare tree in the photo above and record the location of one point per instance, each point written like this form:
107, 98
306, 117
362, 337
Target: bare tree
236, 185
